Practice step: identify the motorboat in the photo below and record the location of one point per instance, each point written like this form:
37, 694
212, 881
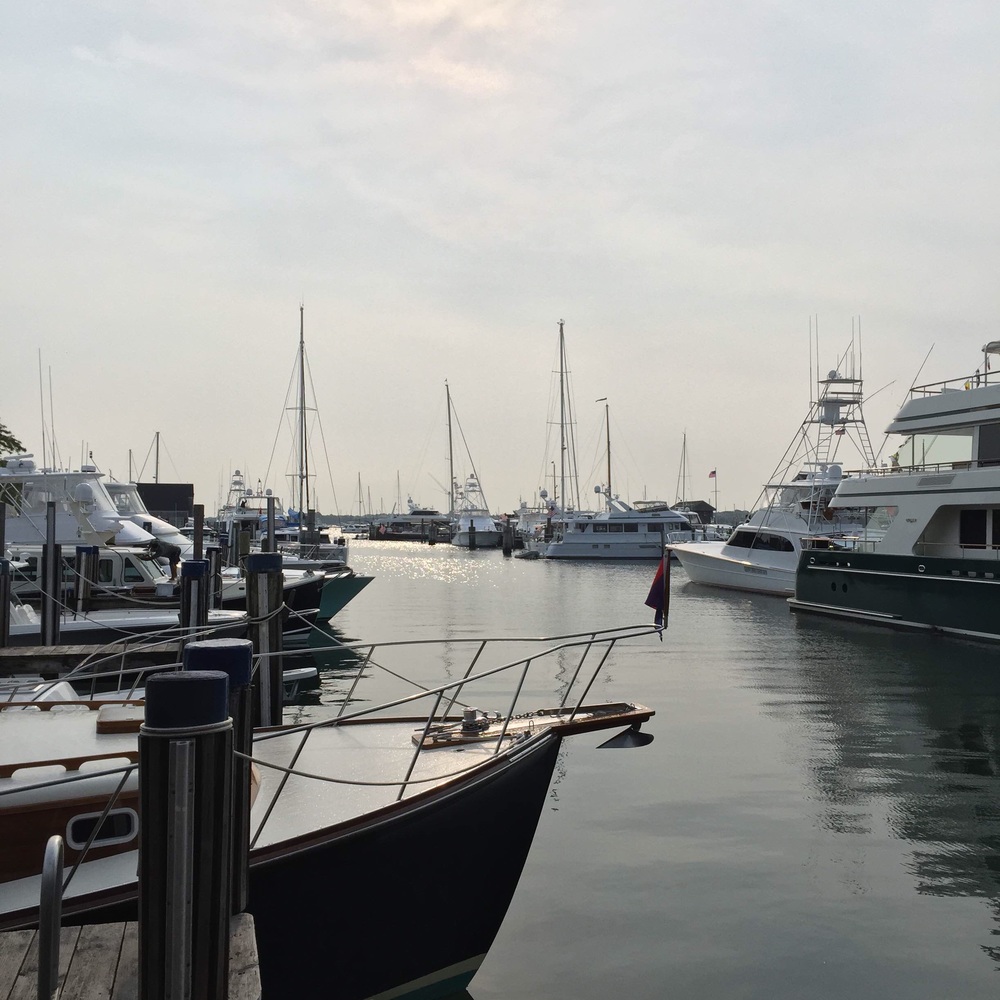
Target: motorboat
620, 531
927, 553
85, 513
762, 553
418, 524
377, 804
474, 526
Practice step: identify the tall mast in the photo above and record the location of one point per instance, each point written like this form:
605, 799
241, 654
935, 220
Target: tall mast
156, 474
562, 412
303, 455
451, 454
607, 427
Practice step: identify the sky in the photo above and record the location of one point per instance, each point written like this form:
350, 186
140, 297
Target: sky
690, 186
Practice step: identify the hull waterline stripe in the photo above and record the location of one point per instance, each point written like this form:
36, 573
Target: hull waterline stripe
876, 618
457, 977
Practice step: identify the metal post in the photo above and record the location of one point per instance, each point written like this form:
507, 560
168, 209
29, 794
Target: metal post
264, 603
199, 531
87, 559
271, 546
216, 560
472, 535
51, 580
185, 795
194, 599
234, 657
5, 592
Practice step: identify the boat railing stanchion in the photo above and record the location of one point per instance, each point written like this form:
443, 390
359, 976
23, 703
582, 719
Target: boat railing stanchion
264, 604
194, 599
234, 657
50, 919
185, 844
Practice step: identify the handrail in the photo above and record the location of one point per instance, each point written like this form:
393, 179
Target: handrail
50, 919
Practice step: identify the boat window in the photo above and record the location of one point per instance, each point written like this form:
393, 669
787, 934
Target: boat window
29, 572
631, 526
615, 528
601, 526
741, 539
972, 528
581, 525
105, 571
655, 528
989, 444
938, 448
119, 827
131, 573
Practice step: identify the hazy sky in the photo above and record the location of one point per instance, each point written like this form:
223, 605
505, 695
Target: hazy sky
440, 182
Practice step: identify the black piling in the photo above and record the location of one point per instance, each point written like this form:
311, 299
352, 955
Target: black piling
198, 540
194, 599
215, 560
87, 561
472, 535
51, 580
5, 593
507, 540
185, 788
235, 658
265, 604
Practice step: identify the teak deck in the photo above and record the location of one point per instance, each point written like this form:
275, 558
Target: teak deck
102, 960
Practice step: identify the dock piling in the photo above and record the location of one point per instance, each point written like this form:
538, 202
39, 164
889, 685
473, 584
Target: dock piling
194, 599
264, 604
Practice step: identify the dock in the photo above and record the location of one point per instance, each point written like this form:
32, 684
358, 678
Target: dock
51, 662
102, 960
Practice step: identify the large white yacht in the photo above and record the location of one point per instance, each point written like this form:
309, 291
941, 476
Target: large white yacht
620, 531
761, 554
928, 554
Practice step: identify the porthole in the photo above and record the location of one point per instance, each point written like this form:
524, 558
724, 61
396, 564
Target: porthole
833, 585
920, 569
119, 827
843, 587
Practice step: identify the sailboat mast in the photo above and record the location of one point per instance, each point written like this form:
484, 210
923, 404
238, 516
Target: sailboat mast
562, 412
607, 427
451, 454
303, 456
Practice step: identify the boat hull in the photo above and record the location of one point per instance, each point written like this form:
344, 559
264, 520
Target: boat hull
956, 596
406, 903
767, 573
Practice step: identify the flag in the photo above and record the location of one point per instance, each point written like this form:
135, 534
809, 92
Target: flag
839, 431
659, 593
711, 475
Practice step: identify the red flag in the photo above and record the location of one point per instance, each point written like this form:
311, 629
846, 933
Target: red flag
659, 593
711, 475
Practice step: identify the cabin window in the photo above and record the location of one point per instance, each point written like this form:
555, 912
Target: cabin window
655, 528
105, 571
742, 539
972, 528
615, 528
601, 526
119, 827
632, 527
946, 447
989, 445
581, 525
131, 572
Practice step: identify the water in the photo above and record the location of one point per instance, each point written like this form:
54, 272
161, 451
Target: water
817, 816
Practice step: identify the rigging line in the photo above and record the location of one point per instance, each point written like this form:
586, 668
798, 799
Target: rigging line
322, 437
284, 417
468, 453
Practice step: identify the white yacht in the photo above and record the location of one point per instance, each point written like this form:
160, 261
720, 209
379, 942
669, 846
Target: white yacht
474, 526
620, 531
928, 554
85, 512
131, 507
761, 554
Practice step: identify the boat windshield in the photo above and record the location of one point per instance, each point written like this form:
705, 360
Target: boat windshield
946, 447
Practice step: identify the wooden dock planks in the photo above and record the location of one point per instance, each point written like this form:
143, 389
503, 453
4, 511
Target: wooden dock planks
101, 962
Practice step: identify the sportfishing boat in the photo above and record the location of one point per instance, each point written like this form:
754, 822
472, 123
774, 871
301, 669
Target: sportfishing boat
761, 554
377, 804
927, 555
474, 526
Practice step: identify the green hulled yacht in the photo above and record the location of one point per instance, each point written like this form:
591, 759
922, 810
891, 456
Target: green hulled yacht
928, 556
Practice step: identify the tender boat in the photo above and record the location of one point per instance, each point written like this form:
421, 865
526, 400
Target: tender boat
394, 834
927, 554
762, 553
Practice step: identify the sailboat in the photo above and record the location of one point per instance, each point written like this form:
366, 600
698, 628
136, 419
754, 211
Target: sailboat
474, 527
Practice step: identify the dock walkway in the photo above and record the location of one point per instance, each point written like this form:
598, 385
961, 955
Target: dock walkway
102, 961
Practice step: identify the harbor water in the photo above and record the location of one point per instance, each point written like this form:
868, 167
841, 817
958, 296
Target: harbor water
818, 815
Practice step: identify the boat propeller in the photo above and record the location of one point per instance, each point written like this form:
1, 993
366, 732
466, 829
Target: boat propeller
627, 738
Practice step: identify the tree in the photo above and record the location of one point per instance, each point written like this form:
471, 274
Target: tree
8, 443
